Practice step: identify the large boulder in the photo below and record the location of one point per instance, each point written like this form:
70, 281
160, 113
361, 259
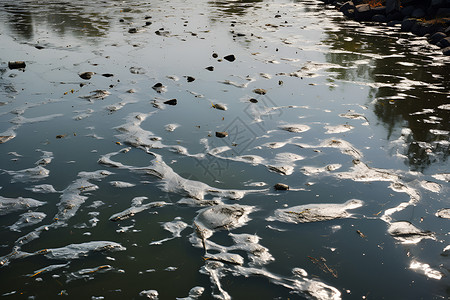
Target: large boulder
348, 9
392, 6
379, 10
446, 51
437, 37
437, 2
363, 12
444, 43
379, 18
418, 13
407, 24
443, 12
407, 10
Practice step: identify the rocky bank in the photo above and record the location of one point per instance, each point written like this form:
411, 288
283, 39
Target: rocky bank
430, 18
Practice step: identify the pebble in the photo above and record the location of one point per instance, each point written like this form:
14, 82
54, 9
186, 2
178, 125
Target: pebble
221, 134
281, 187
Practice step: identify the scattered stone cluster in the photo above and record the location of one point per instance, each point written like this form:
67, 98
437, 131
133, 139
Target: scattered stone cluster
430, 18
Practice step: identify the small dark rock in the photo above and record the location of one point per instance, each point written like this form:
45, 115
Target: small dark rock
253, 100
281, 187
437, 37
210, 68
171, 102
86, 75
148, 23
277, 16
132, 30
446, 51
230, 58
190, 78
121, 20
107, 75
215, 55
16, 65
221, 134
39, 47
159, 87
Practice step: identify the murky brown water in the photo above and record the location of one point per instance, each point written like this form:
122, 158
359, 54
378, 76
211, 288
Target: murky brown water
153, 175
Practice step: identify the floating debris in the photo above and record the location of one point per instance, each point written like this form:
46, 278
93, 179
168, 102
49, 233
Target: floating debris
6, 138
219, 106
27, 219
281, 169
194, 293
442, 176
122, 184
137, 70
43, 189
29, 175
426, 270
315, 212
295, 128
443, 213
136, 207
221, 217
96, 95
171, 127
260, 91
150, 294
175, 227
407, 233
74, 251
338, 129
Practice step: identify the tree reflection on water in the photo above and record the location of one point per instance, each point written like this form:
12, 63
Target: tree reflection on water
25, 17
407, 85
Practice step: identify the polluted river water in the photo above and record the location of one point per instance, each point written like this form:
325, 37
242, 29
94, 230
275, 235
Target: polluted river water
220, 149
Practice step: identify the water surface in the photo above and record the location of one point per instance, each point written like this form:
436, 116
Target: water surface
108, 190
